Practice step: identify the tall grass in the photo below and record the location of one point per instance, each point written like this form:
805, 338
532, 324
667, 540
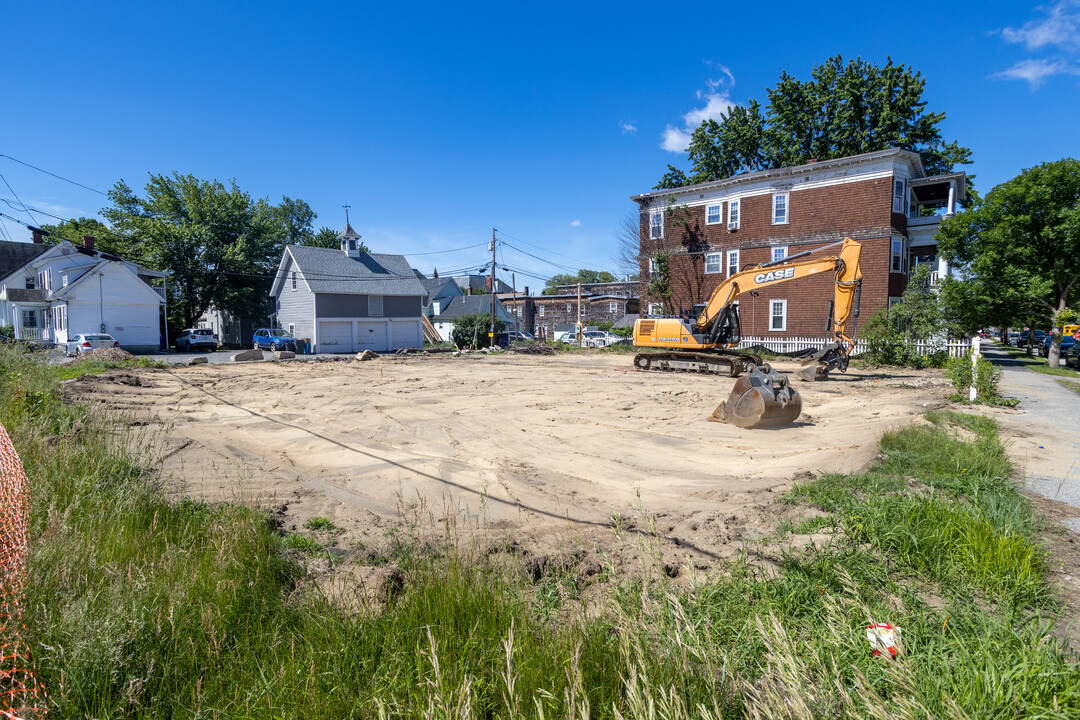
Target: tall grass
144, 608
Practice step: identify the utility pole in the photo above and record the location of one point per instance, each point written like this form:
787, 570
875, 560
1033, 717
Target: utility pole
513, 282
577, 330
492, 334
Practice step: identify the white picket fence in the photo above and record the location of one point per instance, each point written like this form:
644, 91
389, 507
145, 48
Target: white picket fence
794, 344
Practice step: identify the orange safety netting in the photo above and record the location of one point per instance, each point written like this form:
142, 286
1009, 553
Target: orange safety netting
20, 694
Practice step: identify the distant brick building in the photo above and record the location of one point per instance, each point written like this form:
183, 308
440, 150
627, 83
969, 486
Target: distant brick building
540, 314
882, 199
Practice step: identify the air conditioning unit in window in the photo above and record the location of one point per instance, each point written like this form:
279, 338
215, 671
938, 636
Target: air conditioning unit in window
733, 225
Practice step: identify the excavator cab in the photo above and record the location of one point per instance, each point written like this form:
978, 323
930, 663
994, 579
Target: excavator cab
728, 331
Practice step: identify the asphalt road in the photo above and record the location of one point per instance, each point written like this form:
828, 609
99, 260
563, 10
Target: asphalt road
1047, 430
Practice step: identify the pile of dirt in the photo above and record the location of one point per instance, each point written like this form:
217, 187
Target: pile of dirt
113, 355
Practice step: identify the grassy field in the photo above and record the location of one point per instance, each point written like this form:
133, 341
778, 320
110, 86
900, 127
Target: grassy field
145, 608
1039, 364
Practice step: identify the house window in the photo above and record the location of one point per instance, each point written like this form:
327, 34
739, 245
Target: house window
779, 252
780, 209
733, 215
778, 315
732, 262
517, 311
899, 204
656, 226
897, 261
29, 283
569, 307
656, 309
541, 309
374, 306
652, 266
714, 262
294, 280
613, 307
292, 328
29, 318
352, 245
894, 301
712, 214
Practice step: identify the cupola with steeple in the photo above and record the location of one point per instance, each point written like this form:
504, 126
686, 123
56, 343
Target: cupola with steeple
349, 239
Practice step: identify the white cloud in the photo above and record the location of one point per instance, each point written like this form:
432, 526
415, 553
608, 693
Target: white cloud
628, 128
1061, 29
1037, 71
575, 223
718, 103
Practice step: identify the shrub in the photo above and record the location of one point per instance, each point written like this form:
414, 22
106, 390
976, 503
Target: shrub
7, 330
986, 377
472, 330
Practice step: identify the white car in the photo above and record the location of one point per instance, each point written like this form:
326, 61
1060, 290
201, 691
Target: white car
85, 342
599, 338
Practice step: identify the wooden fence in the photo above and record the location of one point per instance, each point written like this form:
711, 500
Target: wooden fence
794, 344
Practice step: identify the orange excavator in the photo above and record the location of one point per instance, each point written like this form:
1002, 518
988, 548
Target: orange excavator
762, 397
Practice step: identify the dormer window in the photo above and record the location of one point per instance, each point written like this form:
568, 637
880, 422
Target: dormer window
352, 246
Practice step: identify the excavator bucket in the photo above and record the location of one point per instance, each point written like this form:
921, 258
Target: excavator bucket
762, 398
812, 370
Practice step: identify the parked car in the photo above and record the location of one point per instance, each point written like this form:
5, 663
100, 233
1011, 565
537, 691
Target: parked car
1022, 341
1072, 356
194, 339
599, 338
1067, 341
85, 342
1012, 339
273, 339
504, 339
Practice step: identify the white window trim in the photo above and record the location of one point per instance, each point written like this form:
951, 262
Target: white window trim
540, 312
656, 308
783, 317
719, 214
655, 226
732, 254
569, 307
294, 280
772, 253
903, 253
719, 263
787, 208
737, 205
902, 197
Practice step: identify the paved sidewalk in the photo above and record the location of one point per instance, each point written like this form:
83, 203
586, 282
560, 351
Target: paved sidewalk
1044, 435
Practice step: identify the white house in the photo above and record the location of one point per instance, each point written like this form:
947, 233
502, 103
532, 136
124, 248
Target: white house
70, 289
346, 300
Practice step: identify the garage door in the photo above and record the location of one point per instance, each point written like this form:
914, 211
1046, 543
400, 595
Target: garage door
335, 337
372, 335
407, 334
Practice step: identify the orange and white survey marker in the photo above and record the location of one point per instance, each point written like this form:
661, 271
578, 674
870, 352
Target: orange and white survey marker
884, 639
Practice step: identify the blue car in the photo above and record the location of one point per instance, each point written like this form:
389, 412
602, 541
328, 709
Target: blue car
273, 339
1066, 342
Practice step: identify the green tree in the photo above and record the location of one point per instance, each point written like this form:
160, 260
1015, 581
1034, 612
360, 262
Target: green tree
327, 238
471, 331
74, 230
1021, 245
294, 219
217, 242
892, 334
673, 178
843, 109
583, 276
658, 289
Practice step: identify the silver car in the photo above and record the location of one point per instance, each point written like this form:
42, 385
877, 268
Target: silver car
83, 343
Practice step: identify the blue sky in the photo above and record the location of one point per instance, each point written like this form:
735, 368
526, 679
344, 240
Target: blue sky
437, 123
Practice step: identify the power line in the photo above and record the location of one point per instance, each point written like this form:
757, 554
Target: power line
17, 197
532, 245
58, 177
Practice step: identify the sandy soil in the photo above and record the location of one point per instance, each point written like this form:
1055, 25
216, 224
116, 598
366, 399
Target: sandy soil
544, 452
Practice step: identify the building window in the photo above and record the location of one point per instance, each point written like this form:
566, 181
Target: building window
569, 307
517, 311
894, 301
712, 214
29, 318
613, 307
29, 283
899, 201
352, 245
374, 305
541, 311
656, 309
714, 262
778, 315
897, 261
779, 252
652, 265
780, 209
732, 262
733, 215
656, 226
292, 328
294, 280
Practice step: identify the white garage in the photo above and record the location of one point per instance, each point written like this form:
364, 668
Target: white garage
407, 334
336, 336
371, 335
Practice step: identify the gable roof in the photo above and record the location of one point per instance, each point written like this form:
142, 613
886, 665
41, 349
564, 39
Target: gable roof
13, 255
461, 305
329, 270
103, 267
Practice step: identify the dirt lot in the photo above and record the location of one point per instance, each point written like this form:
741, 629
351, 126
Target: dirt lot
544, 452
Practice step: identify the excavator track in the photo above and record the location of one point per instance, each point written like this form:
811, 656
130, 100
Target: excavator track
728, 365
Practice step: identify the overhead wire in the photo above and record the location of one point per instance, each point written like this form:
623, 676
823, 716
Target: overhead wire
58, 177
17, 198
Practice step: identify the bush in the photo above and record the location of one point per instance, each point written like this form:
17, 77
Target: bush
986, 377
7, 330
472, 330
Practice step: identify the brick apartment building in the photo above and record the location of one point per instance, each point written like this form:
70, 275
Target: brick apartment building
541, 314
882, 199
